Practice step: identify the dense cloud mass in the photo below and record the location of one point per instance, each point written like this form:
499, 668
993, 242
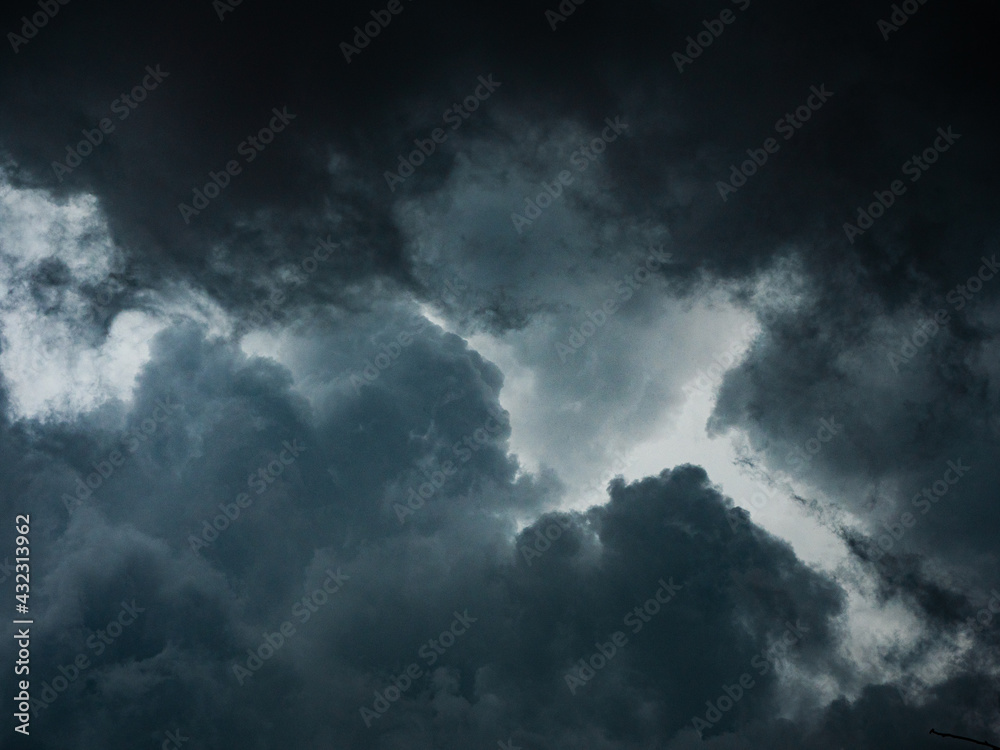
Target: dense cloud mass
536, 376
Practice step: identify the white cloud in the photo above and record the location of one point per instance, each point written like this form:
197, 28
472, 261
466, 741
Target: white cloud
55, 359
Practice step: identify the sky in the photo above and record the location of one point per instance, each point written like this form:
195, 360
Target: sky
619, 376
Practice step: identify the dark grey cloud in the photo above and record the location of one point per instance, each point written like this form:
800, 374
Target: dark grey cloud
534, 618
384, 366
